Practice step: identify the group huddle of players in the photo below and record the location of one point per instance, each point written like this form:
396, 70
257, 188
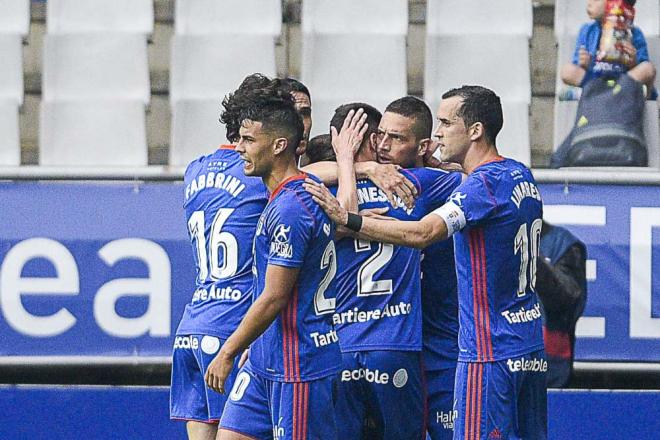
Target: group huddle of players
329, 298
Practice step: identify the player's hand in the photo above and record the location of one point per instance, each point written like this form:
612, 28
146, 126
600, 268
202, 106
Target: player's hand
377, 213
388, 178
584, 58
218, 371
244, 358
347, 142
327, 201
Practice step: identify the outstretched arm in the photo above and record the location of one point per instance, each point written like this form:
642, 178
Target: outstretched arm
418, 234
280, 282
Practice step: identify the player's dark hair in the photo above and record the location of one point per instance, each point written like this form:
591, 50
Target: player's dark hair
319, 149
479, 105
373, 116
293, 85
251, 87
417, 110
276, 111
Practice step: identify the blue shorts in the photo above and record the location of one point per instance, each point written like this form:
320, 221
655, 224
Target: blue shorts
190, 399
440, 403
381, 395
265, 409
502, 400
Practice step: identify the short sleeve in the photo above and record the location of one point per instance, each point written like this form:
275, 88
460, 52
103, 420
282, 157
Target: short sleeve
640, 44
289, 232
581, 42
440, 188
475, 199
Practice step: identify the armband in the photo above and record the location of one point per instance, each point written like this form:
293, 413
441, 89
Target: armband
354, 222
453, 216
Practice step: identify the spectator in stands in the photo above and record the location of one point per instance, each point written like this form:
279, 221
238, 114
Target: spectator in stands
561, 285
303, 101
584, 66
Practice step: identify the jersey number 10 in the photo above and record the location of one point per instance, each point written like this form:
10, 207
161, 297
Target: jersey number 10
522, 244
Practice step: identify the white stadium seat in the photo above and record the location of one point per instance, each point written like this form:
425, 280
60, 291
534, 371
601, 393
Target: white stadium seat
92, 133
570, 15
83, 16
566, 111
355, 17
10, 149
195, 130
451, 17
15, 17
324, 108
513, 140
498, 62
210, 66
96, 66
333, 66
11, 68
252, 17
337, 69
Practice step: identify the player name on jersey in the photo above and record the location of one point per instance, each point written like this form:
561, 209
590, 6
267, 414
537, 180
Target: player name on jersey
214, 180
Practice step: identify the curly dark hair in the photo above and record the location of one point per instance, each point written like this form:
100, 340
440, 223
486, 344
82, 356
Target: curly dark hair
251, 87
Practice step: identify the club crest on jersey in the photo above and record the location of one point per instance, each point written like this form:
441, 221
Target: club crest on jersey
280, 245
457, 198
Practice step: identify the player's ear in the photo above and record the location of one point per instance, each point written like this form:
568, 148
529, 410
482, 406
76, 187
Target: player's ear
424, 146
280, 145
476, 131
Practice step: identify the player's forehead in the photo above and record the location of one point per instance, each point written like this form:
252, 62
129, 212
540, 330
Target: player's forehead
395, 123
250, 128
448, 108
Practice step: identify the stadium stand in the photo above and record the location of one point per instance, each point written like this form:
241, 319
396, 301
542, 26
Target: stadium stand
15, 17
95, 83
93, 133
464, 45
569, 17
210, 36
347, 57
195, 129
252, 17
96, 66
14, 25
82, 16
10, 152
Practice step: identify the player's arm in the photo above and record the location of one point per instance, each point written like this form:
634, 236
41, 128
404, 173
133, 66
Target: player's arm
280, 282
346, 143
385, 176
436, 226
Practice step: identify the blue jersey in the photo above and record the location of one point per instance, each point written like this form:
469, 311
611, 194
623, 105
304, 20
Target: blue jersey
293, 231
222, 208
378, 285
498, 211
439, 305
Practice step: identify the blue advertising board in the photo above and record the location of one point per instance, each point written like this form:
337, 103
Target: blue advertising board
105, 269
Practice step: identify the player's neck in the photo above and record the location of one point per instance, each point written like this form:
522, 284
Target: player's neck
477, 155
279, 173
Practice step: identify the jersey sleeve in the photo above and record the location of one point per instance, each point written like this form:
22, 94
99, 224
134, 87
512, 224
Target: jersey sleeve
289, 232
580, 42
640, 45
469, 205
437, 187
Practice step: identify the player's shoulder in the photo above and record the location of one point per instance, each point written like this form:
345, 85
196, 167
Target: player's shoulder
290, 196
222, 157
